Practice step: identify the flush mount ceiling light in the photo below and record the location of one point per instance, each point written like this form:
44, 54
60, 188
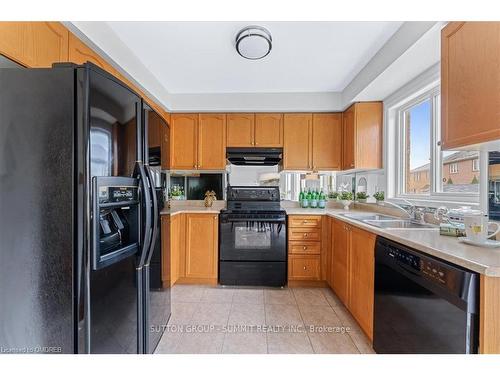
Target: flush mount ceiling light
254, 42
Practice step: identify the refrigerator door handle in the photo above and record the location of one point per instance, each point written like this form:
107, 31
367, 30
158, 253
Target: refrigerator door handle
141, 174
156, 214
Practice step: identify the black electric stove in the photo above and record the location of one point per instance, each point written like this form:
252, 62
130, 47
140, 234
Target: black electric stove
253, 238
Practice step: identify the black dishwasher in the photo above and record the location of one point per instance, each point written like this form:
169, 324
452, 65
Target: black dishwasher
422, 304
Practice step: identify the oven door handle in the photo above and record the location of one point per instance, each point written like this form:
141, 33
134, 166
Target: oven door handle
270, 221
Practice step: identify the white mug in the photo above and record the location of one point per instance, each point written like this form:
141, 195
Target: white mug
476, 228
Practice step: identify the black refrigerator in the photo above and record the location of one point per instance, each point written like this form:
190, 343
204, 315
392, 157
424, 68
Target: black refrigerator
78, 214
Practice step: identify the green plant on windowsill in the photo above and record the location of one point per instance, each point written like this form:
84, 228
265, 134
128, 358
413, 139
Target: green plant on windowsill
361, 197
345, 196
379, 196
333, 195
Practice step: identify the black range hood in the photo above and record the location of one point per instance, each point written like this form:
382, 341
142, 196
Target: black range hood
254, 155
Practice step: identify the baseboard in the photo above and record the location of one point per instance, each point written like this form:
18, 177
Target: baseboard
200, 281
308, 283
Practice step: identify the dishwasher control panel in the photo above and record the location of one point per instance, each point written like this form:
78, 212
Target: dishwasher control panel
426, 267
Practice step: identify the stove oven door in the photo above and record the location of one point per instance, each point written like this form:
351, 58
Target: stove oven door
252, 239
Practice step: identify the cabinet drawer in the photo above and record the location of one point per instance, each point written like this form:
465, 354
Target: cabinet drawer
301, 221
300, 247
304, 267
304, 234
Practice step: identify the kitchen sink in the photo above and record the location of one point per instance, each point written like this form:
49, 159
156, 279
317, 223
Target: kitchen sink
363, 217
398, 224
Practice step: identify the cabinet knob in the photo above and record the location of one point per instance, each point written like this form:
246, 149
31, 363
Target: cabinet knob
305, 247
305, 234
304, 222
305, 268
194, 166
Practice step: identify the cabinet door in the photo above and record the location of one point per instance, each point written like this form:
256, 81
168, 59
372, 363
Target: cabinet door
340, 261
304, 267
368, 135
154, 138
329, 248
80, 53
470, 83
268, 130
212, 141
361, 278
49, 43
165, 144
165, 251
297, 141
326, 141
201, 246
240, 129
12, 41
348, 138
34, 44
177, 247
184, 141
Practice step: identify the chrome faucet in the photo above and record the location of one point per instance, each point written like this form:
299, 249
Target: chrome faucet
414, 213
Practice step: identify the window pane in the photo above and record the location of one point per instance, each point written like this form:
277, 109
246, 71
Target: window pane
460, 172
417, 141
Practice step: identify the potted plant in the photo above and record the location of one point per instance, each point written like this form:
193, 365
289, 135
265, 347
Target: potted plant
176, 193
346, 199
379, 196
361, 196
333, 195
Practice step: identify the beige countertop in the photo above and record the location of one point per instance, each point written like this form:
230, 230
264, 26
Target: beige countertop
429, 241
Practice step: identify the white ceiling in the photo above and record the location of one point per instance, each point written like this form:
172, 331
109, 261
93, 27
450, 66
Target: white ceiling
199, 57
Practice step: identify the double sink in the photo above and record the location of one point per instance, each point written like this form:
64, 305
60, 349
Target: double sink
387, 222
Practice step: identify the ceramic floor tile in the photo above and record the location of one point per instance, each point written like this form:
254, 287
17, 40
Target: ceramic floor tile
247, 314
168, 343
245, 343
319, 316
215, 314
288, 343
255, 296
200, 343
182, 312
345, 317
279, 297
331, 297
361, 341
310, 297
187, 293
332, 343
283, 315
218, 295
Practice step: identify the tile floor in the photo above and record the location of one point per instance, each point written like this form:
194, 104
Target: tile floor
258, 321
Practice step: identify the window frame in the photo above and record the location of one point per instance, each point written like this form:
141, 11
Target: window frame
476, 163
436, 193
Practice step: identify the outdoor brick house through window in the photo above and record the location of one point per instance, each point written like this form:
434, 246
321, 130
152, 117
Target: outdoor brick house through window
426, 170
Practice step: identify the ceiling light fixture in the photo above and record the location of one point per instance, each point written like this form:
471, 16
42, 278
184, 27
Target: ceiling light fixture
254, 42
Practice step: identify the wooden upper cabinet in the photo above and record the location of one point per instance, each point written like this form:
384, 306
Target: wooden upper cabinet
184, 142
34, 44
361, 278
201, 246
470, 83
212, 141
326, 141
240, 129
362, 136
80, 53
165, 143
268, 130
340, 260
297, 142
154, 127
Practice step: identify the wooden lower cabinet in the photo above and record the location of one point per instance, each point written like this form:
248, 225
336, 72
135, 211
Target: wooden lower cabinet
201, 246
340, 261
194, 248
166, 266
362, 278
352, 271
304, 248
304, 267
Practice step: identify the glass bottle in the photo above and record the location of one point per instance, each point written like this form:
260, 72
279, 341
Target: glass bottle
314, 199
322, 199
